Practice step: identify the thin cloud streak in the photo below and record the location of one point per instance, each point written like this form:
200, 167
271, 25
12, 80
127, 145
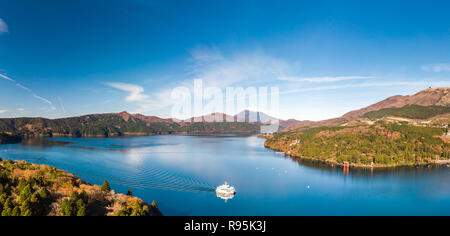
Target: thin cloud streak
436, 67
324, 79
62, 105
29, 91
364, 85
6, 77
3, 111
3, 27
206, 54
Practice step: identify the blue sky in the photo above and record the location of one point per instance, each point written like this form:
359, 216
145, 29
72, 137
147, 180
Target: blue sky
67, 58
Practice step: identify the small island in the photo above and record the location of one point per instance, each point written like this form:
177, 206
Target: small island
39, 190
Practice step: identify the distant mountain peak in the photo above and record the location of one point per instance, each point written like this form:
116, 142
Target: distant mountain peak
152, 119
439, 96
427, 97
254, 116
124, 115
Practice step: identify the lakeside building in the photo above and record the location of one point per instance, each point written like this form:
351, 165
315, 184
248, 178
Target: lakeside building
295, 142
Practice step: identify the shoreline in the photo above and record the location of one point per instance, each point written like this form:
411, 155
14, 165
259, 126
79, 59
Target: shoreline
16, 140
287, 153
61, 185
357, 166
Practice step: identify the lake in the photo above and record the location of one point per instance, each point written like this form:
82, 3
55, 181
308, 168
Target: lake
181, 172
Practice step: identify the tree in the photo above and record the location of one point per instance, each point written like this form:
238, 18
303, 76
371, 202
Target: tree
3, 198
25, 194
44, 194
154, 204
7, 207
106, 187
129, 193
25, 209
76, 205
21, 186
81, 207
15, 211
66, 208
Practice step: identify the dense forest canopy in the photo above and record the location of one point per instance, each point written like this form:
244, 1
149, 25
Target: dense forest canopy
113, 125
409, 111
37, 190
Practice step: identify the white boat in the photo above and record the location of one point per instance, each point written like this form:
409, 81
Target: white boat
225, 189
225, 197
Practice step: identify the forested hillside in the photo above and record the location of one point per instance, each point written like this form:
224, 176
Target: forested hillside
379, 145
409, 111
114, 124
38, 190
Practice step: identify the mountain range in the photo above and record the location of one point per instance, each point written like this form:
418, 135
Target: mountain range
427, 106
124, 123
431, 105
398, 131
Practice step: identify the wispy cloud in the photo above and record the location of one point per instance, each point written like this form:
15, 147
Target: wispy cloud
436, 67
158, 100
245, 67
365, 85
325, 78
135, 91
3, 111
3, 27
6, 77
202, 53
61, 105
29, 91
21, 109
215, 70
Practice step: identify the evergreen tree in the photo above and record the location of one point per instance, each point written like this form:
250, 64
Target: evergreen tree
25, 194
81, 207
129, 193
15, 211
44, 194
7, 207
25, 208
106, 187
76, 205
21, 186
66, 208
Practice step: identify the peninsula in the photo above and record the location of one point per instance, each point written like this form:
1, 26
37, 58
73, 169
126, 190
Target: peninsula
398, 131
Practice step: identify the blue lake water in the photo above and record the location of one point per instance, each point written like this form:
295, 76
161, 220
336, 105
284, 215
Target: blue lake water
181, 172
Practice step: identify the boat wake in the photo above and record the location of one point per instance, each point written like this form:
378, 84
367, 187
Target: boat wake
163, 179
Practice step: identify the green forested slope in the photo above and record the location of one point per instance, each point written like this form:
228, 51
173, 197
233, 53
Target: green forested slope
409, 111
38, 190
111, 125
382, 144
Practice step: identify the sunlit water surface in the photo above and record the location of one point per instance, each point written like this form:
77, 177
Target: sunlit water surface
181, 173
